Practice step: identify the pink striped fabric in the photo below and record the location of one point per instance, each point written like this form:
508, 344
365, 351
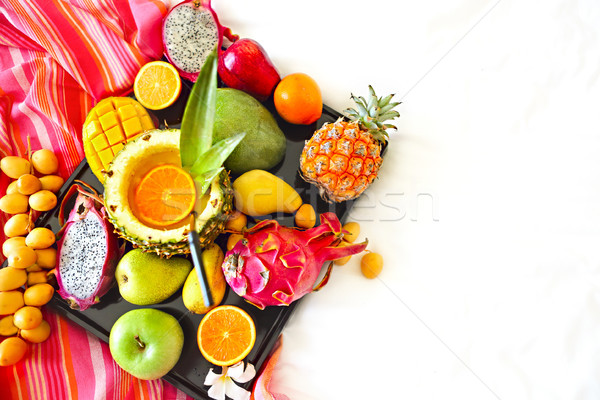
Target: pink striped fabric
57, 59
73, 364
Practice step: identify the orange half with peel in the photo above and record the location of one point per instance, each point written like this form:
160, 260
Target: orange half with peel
165, 195
157, 85
226, 335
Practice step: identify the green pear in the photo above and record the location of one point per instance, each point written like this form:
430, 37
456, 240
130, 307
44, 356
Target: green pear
212, 258
146, 278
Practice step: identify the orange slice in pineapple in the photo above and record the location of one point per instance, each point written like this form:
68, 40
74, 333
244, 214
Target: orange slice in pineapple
157, 85
165, 195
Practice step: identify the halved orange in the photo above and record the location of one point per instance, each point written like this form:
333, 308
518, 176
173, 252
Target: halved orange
226, 335
157, 85
165, 195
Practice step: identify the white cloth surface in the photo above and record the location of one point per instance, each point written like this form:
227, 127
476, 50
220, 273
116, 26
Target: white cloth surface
487, 208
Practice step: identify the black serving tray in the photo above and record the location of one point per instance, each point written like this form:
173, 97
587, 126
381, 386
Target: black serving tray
189, 373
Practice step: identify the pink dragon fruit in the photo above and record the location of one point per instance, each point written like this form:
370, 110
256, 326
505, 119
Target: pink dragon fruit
87, 253
275, 265
191, 30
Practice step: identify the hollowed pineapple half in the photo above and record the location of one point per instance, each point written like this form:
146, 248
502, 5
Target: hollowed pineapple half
136, 158
110, 124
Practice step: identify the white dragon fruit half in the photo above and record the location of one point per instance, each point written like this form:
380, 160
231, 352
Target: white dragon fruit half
87, 253
191, 30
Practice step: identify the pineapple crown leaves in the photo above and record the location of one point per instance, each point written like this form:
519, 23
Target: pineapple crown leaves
372, 114
199, 156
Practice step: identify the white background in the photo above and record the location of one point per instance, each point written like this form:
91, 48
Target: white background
487, 209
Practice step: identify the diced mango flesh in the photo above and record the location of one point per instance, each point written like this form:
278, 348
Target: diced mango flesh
109, 125
108, 120
147, 122
95, 163
92, 129
126, 112
99, 143
132, 127
103, 108
117, 148
115, 135
106, 156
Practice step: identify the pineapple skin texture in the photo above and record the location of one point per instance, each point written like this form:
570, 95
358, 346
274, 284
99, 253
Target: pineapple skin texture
110, 124
146, 151
341, 159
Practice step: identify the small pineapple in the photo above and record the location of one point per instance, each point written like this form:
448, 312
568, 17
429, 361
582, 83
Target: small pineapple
343, 158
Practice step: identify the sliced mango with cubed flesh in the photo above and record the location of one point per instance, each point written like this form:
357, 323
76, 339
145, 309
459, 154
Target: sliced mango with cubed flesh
112, 122
100, 143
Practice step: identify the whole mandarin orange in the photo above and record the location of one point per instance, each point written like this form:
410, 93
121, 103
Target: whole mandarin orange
298, 99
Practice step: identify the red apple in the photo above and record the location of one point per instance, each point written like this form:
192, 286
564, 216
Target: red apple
246, 66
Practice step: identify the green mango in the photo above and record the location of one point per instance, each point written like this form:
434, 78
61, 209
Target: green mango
146, 278
263, 147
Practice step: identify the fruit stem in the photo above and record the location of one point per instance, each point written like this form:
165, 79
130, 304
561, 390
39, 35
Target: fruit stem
29, 153
139, 342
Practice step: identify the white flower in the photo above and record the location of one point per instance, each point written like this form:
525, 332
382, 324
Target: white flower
224, 383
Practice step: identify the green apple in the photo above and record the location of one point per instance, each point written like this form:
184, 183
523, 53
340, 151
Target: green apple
146, 278
146, 342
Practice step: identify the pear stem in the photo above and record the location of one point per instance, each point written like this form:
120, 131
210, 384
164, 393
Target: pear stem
139, 342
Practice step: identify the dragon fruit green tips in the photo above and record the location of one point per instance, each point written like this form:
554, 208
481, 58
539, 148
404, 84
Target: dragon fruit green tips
275, 265
87, 252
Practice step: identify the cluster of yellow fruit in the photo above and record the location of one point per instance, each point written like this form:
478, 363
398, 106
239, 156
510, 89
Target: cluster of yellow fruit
29, 190
24, 286
371, 263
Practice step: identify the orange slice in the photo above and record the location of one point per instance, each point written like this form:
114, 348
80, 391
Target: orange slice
157, 85
226, 335
165, 195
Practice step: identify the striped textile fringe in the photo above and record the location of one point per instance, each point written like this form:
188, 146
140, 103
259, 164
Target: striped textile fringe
57, 59
74, 364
